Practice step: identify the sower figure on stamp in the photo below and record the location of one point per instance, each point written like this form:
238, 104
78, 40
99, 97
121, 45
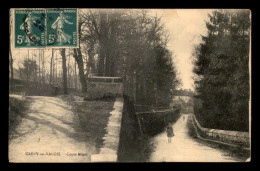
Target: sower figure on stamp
169, 131
62, 37
27, 26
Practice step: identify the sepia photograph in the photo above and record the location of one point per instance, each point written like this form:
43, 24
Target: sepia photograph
113, 85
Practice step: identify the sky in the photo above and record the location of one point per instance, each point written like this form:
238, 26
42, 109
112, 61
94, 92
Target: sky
185, 27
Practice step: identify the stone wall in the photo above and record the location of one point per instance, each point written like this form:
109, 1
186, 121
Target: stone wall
109, 151
224, 135
99, 86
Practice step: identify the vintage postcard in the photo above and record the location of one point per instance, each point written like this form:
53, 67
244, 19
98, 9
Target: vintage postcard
129, 85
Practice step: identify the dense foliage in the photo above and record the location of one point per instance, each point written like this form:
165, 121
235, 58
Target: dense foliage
130, 44
222, 69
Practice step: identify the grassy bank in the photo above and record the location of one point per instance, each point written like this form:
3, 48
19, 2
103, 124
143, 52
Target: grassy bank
93, 118
17, 110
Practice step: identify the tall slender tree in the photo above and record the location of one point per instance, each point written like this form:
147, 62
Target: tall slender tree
64, 71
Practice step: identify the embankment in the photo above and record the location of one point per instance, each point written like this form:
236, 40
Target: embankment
236, 138
130, 144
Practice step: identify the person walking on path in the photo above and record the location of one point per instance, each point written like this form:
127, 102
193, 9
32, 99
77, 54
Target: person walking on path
169, 131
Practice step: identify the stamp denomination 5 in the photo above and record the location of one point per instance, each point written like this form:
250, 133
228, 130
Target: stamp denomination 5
45, 28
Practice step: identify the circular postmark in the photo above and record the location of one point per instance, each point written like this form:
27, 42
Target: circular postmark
33, 27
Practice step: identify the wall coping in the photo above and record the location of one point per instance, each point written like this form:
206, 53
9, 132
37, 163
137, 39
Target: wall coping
224, 132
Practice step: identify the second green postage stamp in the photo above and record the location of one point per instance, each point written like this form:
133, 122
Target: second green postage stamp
62, 28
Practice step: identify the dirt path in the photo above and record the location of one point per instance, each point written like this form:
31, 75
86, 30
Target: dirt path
49, 133
183, 148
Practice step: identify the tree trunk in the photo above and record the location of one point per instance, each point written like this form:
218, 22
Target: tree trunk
112, 66
101, 60
69, 72
43, 67
113, 48
56, 70
103, 44
11, 65
108, 62
76, 86
51, 67
64, 68
39, 65
11, 70
91, 60
78, 57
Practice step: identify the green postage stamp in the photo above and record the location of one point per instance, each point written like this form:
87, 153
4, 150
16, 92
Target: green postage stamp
45, 28
30, 28
61, 27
